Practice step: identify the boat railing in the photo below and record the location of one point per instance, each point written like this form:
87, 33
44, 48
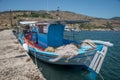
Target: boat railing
71, 35
105, 43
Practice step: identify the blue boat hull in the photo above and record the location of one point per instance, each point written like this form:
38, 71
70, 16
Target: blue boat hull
91, 75
80, 59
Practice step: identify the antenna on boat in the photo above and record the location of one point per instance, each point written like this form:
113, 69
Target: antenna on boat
47, 8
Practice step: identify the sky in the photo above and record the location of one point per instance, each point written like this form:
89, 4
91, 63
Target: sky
94, 8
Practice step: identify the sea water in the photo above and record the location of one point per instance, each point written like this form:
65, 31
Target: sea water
110, 69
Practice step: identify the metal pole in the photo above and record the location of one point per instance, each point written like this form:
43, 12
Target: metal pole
11, 18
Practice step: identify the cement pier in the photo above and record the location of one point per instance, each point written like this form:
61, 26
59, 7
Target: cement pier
15, 64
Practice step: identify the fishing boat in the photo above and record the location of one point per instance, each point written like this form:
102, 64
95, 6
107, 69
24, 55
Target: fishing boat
45, 40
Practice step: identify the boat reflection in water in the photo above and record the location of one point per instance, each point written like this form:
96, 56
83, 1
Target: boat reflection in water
59, 72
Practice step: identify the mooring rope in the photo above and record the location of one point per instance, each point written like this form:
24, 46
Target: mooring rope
101, 76
36, 59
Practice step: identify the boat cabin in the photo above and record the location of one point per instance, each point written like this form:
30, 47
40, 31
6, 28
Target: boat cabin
46, 34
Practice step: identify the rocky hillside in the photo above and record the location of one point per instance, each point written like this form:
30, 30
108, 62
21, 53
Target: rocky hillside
9, 18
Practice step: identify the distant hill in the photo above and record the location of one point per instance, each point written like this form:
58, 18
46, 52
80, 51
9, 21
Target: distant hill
19, 15
115, 18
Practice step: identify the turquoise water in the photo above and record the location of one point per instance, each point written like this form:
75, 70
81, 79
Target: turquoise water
110, 69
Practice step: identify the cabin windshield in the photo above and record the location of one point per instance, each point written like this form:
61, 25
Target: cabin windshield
25, 29
71, 32
42, 28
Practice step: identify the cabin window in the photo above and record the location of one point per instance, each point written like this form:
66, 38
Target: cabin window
43, 28
26, 29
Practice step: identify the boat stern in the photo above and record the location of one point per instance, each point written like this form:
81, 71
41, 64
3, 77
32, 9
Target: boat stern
98, 59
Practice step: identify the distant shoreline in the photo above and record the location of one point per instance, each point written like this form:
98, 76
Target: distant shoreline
8, 18
93, 30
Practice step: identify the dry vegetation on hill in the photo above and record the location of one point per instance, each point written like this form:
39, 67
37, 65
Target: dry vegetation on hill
12, 17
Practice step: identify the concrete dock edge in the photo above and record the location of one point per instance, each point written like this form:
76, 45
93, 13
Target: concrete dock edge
15, 64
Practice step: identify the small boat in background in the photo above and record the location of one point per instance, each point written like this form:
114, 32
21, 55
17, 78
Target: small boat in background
45, 41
